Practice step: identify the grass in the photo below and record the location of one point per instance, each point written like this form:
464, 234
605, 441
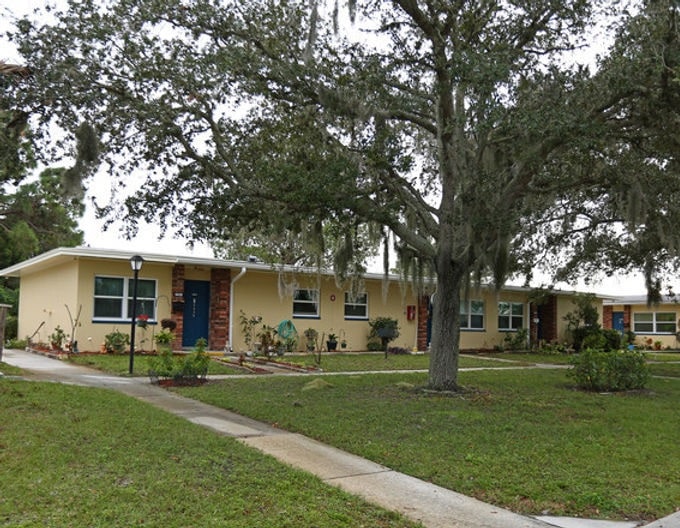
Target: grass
525, 440
665, 369
9, 370
662, 356
119, 364
355, 362
529, 358
73, 456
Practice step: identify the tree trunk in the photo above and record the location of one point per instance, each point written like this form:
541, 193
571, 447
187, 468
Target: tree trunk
445, 343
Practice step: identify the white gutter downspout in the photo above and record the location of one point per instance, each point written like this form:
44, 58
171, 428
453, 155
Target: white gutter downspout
230, 346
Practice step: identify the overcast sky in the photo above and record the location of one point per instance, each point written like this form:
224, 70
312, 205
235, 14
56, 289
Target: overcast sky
148, 238
99, 186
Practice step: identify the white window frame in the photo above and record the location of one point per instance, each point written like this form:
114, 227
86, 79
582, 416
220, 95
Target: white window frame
509, 327
356, 304
654, 323
467, 313
313, 301
125, 299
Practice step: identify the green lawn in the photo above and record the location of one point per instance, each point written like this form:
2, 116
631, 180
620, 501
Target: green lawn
662, 356
9, 370
665, 369
553, 359
74, 456
526, 440
374, 362
119, 364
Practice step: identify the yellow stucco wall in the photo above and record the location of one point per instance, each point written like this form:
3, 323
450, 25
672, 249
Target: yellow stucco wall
258, 293
565, 305
43, 298
491, 336
91, 334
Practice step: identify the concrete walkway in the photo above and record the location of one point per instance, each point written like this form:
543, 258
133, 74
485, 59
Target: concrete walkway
433, 506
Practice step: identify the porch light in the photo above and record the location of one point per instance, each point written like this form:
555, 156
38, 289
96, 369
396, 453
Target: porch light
136, 265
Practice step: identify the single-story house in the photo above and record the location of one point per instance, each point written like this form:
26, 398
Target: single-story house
657, 323
206, 298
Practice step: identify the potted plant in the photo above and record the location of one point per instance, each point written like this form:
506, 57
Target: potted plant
332, 342
169, 324
311, 336
343, 340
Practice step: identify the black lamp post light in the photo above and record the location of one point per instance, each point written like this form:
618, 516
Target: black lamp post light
136, 265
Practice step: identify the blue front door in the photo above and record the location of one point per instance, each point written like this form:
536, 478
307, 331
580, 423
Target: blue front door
196, 311
617, 321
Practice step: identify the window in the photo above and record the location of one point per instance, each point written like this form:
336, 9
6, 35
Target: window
654, 322
357, 307
472, 315
306, 303
113, 298
510, 315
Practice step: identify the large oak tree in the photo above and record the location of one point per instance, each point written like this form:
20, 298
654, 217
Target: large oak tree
461, 131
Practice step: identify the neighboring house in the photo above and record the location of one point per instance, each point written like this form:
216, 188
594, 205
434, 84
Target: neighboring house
205, 297
657, 323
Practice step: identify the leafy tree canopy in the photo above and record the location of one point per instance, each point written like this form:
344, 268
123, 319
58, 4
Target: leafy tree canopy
38, 217
458, 130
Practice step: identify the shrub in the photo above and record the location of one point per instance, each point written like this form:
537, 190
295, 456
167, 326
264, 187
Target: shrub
162, 365
15, 343
248, 325
374, 346
613, 339
598, 370
181, 369
554, 348
583, 322
311, 336
194, 365
398, 351
164, 338
516, 340
58, 338
593, 341
384, 328
11, 327
116, 341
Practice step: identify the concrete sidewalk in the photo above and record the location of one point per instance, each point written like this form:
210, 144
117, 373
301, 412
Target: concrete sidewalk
433, 506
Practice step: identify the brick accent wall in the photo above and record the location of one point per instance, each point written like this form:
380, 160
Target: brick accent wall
220, 287
533, 327
423, 316
178, 296
547, 313
608, 317
627, 317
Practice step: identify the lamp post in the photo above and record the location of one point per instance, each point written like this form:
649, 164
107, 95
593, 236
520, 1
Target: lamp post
136, 265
